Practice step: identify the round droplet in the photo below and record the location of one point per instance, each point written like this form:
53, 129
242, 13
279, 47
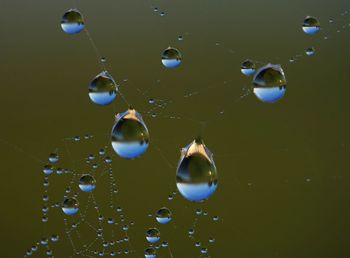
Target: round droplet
87, 183
171, 57
72, 22
270, 83
163, 215
310, 51
103, 89
130, 137
196, 173
150, 252
152, 235
48, 169
70, 206
311, 25
53, 158
248, 68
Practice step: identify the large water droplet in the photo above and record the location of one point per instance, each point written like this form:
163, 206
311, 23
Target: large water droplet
311, 25
72, 22
196, 173
269, 83
130, 137
171, 57
103, 89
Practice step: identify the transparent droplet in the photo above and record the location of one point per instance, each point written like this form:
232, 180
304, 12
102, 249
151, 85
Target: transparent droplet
87, 183
248, 67
163, 215
151, 101
310, 51
152, 235
55, 238
103, 89
269, 83
72, 22
180, 38
53, 158
196, 173
48, 169
70, 206
311, 25
130, 137
150, 252
162, 14
171, 57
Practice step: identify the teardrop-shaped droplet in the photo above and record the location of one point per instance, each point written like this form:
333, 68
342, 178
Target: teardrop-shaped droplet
196, 173
171, 57
270, 83
72, 22
103, 89
130, 137
87, 183
311, 25
70, 206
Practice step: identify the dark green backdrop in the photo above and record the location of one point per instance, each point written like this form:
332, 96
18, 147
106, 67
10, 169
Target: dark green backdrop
283, 168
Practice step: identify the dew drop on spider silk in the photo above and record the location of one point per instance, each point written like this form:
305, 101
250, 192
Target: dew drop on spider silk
72, 22
130, 137
269, 83
310, 51
87, 183
311, 25
152, 235
53, 157
70, 206
163, 215
196, 173
248, 68
103, 89
171, 57
150, 252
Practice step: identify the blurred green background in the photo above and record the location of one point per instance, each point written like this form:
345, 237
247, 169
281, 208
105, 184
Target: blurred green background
283, 168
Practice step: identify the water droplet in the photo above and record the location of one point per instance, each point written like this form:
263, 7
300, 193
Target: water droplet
70, 206
310, 51
180, 38
152, 235
196, 173
72, 22
151, 101
130, 137
171, 57
248, 67
53, 158
163, 215
87, 183
269, 83
55, 238
311, 25
150, 252
48, 169
103, 89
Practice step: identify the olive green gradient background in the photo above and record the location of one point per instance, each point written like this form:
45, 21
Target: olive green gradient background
264, 153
